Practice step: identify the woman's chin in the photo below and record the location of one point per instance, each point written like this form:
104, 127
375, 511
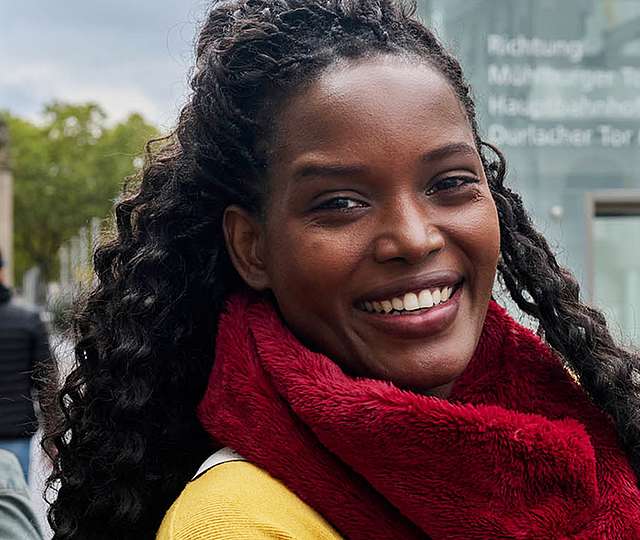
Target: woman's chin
426, 373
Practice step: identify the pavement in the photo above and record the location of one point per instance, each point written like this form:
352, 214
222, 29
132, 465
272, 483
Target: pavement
39, 469
39, 466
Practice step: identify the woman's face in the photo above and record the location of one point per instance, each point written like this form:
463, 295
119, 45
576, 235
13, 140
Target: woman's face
379, 209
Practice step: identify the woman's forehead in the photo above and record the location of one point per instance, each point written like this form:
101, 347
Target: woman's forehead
385, 101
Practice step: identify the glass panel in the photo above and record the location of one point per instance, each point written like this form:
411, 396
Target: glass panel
557, 88
617, 274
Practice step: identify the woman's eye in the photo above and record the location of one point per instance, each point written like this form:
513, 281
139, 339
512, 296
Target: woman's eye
452, 183
340, 203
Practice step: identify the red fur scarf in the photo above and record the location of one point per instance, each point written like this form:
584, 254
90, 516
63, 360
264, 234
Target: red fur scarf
517, 451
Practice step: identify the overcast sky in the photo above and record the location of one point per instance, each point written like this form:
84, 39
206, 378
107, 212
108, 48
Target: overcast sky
127, 55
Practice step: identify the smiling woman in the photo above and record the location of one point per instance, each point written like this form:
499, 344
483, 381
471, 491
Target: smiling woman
377, 193
301, 289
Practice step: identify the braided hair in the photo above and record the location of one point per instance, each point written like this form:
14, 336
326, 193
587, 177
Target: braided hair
125, 432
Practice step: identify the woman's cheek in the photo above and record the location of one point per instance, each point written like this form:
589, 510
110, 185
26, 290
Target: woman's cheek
480, 231
327, 256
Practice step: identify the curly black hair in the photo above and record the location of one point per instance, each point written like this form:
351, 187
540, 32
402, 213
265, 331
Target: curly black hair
125, 433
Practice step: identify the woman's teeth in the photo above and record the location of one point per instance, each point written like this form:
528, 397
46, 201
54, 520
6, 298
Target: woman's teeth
424, 299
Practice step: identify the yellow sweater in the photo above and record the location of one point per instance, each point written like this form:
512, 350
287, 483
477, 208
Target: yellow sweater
237, 500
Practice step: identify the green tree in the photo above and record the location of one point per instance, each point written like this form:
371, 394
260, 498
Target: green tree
67, 169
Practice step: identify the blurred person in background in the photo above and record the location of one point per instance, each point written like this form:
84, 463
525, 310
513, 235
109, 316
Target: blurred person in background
24, 347
17, 517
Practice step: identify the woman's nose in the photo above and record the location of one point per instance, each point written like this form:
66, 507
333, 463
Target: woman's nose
407, 233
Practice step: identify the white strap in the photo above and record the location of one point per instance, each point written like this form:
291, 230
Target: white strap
223, 455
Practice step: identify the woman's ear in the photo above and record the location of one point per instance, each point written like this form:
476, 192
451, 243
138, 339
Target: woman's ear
244, 237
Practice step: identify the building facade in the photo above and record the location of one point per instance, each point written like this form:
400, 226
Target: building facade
6, 203
557, 87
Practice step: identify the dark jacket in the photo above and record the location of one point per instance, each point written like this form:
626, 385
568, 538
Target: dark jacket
23, 346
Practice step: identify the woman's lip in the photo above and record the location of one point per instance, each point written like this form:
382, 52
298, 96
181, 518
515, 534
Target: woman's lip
414, 325
432, 280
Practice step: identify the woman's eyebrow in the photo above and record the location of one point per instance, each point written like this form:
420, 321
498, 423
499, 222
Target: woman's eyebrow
310, 170
449, 150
